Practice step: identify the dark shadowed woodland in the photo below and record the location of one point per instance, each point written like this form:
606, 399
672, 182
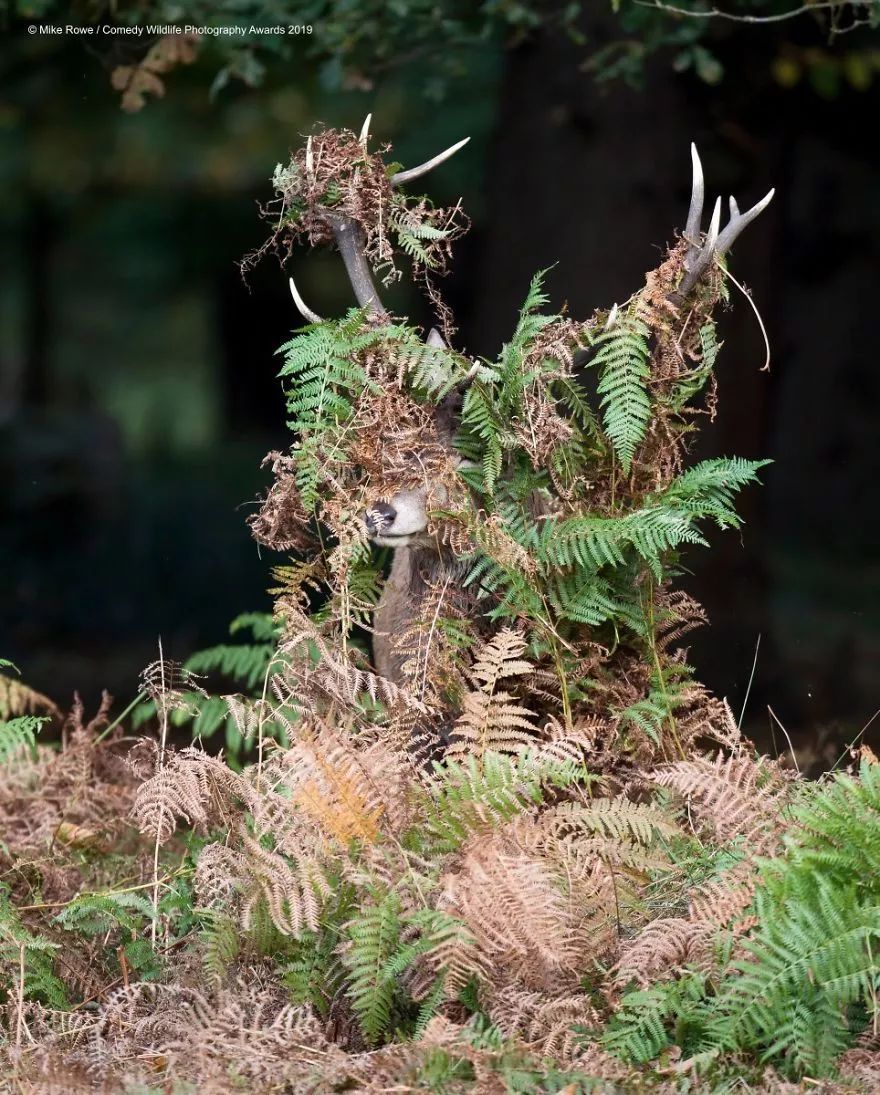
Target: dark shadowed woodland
440, 618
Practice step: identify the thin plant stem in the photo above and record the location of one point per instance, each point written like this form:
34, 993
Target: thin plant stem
139, 698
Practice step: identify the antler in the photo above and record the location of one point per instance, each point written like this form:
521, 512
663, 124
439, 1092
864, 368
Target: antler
429, 165
699, 257
349, 234
304, 310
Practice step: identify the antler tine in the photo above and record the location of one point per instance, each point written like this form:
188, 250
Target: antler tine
304, 310
310, 159
365, 130
714, 225
699, 264
695, 212
429, 165
436, 339
738, 221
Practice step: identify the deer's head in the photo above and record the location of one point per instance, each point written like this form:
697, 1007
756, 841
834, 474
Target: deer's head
403, 518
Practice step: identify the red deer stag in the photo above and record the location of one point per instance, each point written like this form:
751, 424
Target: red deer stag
403, 521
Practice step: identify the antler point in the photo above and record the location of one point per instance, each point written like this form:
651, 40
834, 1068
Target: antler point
428, 165
304, 310
365, 130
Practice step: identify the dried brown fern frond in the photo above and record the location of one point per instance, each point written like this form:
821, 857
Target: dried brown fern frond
396, 1067
344, 789
431, 646
43, 1064
662, 949
595, 1061
676, 614
611, 838
292, 888
665, 946
397, 443
861, 1066
193, 787
219, 870
17, 698
616, 818
165, 681
334, 162
723, 901
544, 1021
57, 797
282, 522
249, 1031
455, 955
676, 353
245, 1033
338, 797
702, 718
321, 670
563, 750
496, 542
75, 726
540, 429
512, 903
335, 175
491, 719
739, 796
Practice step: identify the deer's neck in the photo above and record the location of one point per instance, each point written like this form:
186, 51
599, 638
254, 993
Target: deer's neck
400, 606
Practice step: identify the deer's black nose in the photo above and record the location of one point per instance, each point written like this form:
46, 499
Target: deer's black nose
380, 516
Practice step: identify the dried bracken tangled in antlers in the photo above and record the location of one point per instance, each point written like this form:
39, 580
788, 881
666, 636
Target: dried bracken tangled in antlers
336, 182
398, 445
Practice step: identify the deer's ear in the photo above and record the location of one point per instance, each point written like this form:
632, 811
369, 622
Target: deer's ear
435, 339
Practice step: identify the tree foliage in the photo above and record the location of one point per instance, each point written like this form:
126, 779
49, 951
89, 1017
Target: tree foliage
354, 44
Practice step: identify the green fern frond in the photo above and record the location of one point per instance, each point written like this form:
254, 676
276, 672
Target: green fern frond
528, 326
374, 939
708, 489
649, 1021
709, 344
19, 735
412, 235
648, 715
480, 416
219, 944
23, 951
244, 663
96, 914
622, 358
471, 793
590, 603
814, 959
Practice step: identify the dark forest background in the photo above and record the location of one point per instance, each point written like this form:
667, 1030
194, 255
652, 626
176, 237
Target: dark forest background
137, 372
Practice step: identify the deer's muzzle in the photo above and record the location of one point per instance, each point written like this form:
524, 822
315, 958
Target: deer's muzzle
397, 521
